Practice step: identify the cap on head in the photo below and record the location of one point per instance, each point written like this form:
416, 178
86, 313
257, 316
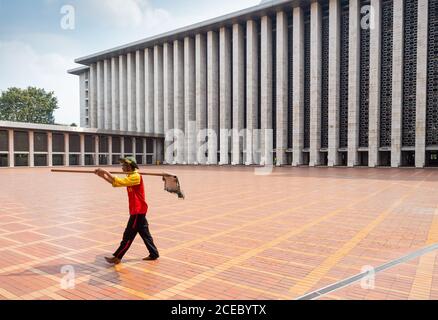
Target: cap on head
129, 160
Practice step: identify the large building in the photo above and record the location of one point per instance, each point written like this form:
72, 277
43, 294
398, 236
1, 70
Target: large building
329, 82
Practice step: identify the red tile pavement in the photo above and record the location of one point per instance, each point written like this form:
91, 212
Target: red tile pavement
236, 236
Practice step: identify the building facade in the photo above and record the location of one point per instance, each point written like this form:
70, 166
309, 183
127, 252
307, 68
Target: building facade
330, 82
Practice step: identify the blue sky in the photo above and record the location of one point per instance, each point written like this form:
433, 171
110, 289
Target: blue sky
35, 50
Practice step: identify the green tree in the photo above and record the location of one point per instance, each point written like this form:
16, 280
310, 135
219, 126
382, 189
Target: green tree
32, 105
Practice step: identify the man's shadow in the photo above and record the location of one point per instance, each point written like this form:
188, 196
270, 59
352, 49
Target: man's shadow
78, 270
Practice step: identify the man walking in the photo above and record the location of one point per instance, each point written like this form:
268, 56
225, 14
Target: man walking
137, 208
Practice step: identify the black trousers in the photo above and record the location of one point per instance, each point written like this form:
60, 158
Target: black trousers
137, 224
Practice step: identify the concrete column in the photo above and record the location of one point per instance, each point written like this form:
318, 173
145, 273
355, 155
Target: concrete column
168, 101
201, 97
225, 100
122, 147
130, 61
238, 93
178, 85
11, 148
282, 81
154, 157
123, 93
266, 91
298, 86
82, 146
82, 100
158, 91
422, 46
96, 150
374, 92
93, 95
134, 147
189, 99
49, 149
212, 96
149, 89
110, 150
353, 83
397, 82
334, 81
315, 83
144, 156
115, 94
107, 95
100, 96
31, 149
140, 91
252, 97
66, 149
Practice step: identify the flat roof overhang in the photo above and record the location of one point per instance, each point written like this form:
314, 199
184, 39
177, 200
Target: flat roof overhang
77, 130
268, 8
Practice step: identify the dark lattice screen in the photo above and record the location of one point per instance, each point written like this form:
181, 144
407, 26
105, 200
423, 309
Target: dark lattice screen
364, 83
74, 143
325, 82
432, 77
307, 79
274, 81
386, 74
290, 83
409, 72
343, 110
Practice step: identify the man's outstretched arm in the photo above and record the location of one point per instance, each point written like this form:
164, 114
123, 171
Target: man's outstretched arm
105, 175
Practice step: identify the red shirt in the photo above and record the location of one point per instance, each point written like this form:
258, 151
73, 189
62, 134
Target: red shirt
136, 195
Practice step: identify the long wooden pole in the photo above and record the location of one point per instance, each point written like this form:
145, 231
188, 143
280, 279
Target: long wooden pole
114, 172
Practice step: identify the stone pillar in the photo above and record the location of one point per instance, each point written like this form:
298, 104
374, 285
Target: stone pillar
178, 85
134, 147
31, 149
122, 147
252, 97
93, 95
168, 100
225, 93
238, 93
130, 61
158, 90
149, 89
189, 99
82, 146
353, 83
212, 95
298, 86
315, 83
422, 57
115, 94
266, 91
282, 82
334, 81
100, 96
144, 157
110, 150
96, 151
123, 91
201, 97
107, 95
49, 149
11, 148
140, 91
66, 149
374, 92
397, 82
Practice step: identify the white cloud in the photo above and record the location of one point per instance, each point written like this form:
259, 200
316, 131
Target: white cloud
22, 66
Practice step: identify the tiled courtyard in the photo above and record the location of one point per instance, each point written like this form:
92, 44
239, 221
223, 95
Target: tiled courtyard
237, 235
